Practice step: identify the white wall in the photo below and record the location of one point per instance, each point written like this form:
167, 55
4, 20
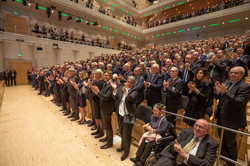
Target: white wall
50, 55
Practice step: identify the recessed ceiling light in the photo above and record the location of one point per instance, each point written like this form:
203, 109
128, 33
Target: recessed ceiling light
204, 26
246, 18
174, 32
188, 29
110, 29
29, 4
223, 23
52, 11
147, 37
162, 34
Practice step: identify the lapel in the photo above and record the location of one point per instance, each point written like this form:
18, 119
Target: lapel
202, 147
185, 142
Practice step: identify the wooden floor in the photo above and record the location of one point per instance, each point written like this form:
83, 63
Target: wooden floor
33, 132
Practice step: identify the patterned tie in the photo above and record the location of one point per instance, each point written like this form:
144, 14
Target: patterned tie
187, 149
152, 78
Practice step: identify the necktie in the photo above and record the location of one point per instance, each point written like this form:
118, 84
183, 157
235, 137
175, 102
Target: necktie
187, 149
171, 82
185, 76
152, 78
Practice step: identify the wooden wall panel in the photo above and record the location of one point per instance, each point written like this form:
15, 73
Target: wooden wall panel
15, 24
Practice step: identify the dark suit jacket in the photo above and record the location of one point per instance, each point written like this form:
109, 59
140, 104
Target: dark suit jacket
106, 99
154, 90
232, 105
206, 152
14, 73
130, 99
242, 61
139, 84
197, 64
219, 73
173, 95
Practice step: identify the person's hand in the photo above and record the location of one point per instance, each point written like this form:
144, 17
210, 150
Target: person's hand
113, 85
146, 84
89, 83
95, 89
217, 87
187, 66
191, 86
214, 58
84, 83
223, 88
165, 84
178, 149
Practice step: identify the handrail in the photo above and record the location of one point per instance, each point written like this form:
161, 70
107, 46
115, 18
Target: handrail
1, 91
221, 137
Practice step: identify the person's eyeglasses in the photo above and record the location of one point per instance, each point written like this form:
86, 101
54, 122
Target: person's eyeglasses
236, 73
199, 126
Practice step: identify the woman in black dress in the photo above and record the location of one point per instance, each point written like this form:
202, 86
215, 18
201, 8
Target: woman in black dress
81, 95
199, 91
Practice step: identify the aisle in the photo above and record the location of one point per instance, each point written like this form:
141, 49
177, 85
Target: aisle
34, 132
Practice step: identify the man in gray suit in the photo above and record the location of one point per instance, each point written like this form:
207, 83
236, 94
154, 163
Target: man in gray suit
202, 151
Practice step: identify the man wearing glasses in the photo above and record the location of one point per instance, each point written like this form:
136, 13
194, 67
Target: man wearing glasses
231, 110
194, 147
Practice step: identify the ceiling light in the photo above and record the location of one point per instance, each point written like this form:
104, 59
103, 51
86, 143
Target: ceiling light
246, 18
188, 29
204, 26
223, 23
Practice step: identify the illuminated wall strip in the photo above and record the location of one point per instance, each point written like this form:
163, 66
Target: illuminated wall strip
105, 27
167, 7
19, 1
138, 38
92, 23
168, 33
146, 15
42, 8
234, 20
196, 28
132, 35
114, 5
131, 14
115, 30
64, 15
181, 30
157, 35
180, 3
213, 25
123, 10
124, 33
156, 11
105, 0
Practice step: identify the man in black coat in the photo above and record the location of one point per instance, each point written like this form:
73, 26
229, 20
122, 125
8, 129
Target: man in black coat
202, 153
126, 99
107, 106
12, 74
173, 88
231, 110
153, 84
139, 84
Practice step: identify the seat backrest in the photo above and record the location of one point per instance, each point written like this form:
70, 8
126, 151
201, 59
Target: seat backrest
144, 113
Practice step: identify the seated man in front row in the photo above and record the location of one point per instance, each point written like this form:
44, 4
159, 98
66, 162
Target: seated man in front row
193, 147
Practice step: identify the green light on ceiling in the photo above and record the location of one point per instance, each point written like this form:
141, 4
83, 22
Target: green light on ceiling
146, 15
42, 8
132, 35
157, 35
180, 3
105, 0
168, 33
20, 54
213, 25
123, 10
19, 1
138, 38
124, 33
131, 14
196, 28
167, 7
64, 15
234, 20
156, 11
115, 30
181, 30
79, 19
91, 23
114, 5
105, 27
16, 13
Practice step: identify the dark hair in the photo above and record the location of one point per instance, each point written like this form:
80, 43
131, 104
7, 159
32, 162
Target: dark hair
205, 78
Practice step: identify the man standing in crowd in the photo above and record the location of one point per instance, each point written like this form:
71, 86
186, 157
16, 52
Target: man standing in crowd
194, 147
218, 67
240, 60
12, 74
153, 85
139, 84
231, 110
107, 106
6, 77
173, 88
